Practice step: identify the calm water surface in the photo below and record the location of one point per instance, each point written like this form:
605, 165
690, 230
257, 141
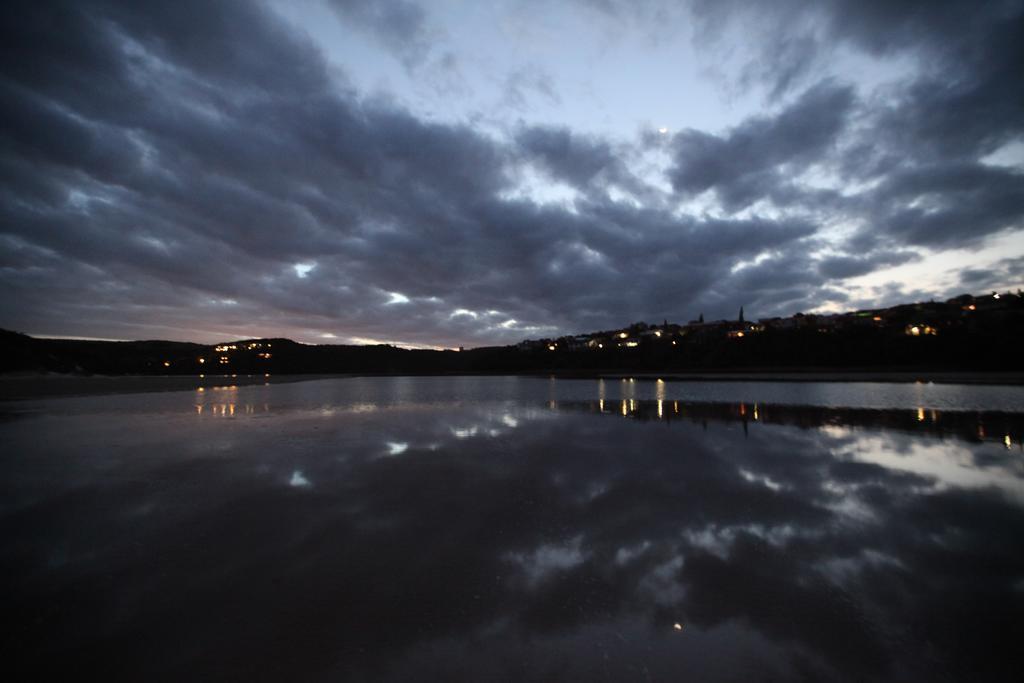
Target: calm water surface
425, 529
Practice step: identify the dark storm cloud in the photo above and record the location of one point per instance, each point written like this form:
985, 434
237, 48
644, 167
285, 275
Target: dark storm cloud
750, 160
579, 160
165, 168
194, 179
924, 140
840, 267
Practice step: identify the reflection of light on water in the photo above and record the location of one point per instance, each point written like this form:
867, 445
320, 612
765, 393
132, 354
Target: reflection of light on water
298, 480
659, 389
760, 479
756, 416
661, 411
549, 560
199, 410
465, 432
625, 410
397, 447
509, 421
600, 404
1007, 442
920, 414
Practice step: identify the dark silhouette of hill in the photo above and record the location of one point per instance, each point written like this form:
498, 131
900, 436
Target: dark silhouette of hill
966, 333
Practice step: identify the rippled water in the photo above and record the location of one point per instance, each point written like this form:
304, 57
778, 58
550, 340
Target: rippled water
407, 529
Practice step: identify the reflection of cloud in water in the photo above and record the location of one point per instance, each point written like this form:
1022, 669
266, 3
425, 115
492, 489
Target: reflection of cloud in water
760, 479
949, 465
298, 480
548, 560
397, 447
815, 546
465, 432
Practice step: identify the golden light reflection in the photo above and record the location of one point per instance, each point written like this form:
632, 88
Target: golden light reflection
675, 406
600, 404
661, 411
756, 416
625, 410
920, 414
1007, 442
677, 626
199, 410
167, 363
200, 389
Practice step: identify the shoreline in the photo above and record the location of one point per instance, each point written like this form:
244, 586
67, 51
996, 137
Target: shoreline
894, 377
28, 387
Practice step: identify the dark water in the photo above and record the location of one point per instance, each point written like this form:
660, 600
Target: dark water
515, 529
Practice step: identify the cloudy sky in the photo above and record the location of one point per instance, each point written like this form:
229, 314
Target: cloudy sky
457, 172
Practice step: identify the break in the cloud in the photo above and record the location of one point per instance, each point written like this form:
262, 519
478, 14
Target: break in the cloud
459, 174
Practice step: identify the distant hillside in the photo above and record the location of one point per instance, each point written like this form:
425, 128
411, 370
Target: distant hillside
966, 333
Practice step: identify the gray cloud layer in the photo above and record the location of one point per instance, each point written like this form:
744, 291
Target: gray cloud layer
165, 168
